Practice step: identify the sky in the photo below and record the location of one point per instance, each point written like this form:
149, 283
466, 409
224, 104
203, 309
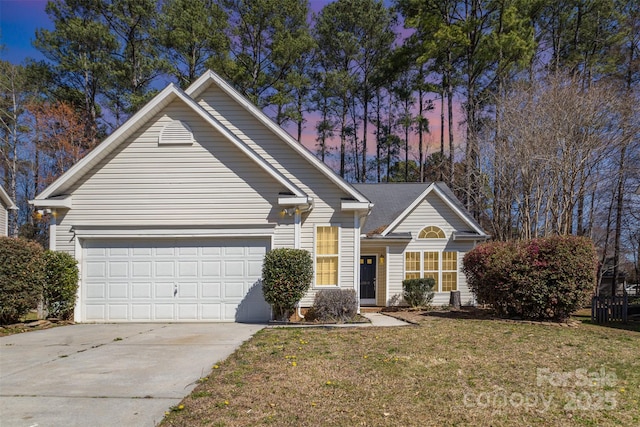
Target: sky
19, 20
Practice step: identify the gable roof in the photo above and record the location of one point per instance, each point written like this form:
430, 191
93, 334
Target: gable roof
209, 77
389, 200
135, 122
6, 200
393, 202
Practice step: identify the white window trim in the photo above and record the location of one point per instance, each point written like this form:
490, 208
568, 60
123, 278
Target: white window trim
315, 257
432, 238
440, 264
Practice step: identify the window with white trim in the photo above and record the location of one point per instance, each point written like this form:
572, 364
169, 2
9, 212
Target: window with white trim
327, 255
441, 266
431, 232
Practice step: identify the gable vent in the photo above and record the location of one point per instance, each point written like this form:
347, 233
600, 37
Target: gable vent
176, 132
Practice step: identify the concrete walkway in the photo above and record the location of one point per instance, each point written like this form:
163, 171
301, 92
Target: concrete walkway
108, 374
378, 319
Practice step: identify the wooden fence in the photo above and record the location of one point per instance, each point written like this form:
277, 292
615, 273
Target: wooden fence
605, 309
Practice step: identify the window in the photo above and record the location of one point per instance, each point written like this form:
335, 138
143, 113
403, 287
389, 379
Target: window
449, 271
431, 232
440, 266
412, 265
327, 256
431, 266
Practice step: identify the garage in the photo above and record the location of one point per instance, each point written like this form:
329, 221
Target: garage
173, 280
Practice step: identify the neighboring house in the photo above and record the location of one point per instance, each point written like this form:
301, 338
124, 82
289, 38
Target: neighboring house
7, 205
171, 215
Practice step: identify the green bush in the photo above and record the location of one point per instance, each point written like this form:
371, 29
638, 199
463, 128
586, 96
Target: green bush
418, 292
286, 276
547, 278
61, 284
21, 278
334, 305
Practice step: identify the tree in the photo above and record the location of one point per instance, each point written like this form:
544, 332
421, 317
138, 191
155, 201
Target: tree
13, 96
267, 38
558, 137
192, 37
354, 37
136, 62
80, 49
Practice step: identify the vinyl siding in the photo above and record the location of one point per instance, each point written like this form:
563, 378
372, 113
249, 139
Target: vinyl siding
326, 195
4, 219
209, 183
431, 211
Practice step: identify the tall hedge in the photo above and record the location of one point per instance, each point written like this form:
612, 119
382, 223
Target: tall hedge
61, 284
286, 276
21, 278
546, 278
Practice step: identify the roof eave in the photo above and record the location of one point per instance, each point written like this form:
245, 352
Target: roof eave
7, 200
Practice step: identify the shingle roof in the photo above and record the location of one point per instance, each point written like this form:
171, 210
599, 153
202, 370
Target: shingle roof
390, 200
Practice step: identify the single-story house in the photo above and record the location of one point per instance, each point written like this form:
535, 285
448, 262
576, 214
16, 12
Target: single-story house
170, 217
6, 205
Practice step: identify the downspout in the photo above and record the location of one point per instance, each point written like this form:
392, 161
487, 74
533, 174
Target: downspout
52, 228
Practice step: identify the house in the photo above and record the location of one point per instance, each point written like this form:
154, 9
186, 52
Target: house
414, 230
6, 205
171, 215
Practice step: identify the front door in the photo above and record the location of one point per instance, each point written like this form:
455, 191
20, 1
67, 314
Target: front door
368, 280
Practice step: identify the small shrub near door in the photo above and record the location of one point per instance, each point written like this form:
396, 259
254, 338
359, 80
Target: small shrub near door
547, 278
286, 277
21, 278
61, 284
334, 305
418, 292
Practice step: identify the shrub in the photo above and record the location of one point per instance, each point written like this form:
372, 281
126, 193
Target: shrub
21, 278
545, 278
418, 292
339, 305
286, 276
61, 284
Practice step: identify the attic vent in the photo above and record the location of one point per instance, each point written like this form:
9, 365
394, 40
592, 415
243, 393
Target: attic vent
176, 132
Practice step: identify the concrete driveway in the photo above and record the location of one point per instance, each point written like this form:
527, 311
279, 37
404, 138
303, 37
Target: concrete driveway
108, 374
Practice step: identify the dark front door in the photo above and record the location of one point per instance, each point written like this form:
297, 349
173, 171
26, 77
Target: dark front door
368, 279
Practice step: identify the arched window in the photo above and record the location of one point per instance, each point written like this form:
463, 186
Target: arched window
431, 232
175, 132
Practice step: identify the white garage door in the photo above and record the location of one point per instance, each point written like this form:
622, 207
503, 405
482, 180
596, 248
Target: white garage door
166, 280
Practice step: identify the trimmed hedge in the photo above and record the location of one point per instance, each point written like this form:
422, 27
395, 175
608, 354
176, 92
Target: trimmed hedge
61, 284
21, 278
339, 305
286, 277
418, 292
543, 279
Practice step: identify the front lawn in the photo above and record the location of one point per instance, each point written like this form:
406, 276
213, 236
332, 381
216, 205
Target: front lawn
444, 371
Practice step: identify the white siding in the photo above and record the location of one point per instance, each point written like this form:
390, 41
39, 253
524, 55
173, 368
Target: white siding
431, 211
210, 183
291, 164
3, 220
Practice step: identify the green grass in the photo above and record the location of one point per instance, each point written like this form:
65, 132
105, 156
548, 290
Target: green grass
442, 372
